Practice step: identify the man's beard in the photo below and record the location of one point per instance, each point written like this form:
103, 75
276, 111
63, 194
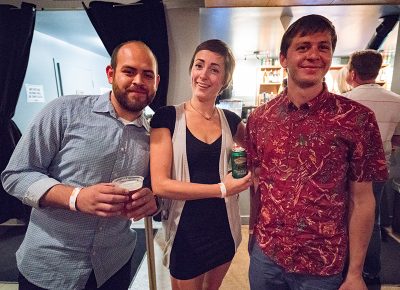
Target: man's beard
306, 84
134, 105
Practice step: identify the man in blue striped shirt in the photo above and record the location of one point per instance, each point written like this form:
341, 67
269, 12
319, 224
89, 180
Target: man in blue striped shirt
79, 234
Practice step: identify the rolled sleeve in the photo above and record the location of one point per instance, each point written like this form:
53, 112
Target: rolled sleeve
27, 175
37, 190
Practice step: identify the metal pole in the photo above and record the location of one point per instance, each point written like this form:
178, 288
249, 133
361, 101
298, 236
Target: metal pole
148, 226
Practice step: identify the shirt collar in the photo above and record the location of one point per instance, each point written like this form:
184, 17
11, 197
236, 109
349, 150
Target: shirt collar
103, 105
139, 122
311, 105
373, 85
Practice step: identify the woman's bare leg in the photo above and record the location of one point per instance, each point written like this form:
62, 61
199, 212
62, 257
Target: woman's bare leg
210, 280
191, 284
214, 277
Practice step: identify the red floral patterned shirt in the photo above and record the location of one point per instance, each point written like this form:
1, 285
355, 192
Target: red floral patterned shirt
307, 156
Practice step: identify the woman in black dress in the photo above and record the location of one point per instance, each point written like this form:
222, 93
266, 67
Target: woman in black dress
189, 151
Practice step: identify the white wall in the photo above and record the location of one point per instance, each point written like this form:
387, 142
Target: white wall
40, 71
245, 80
183, 38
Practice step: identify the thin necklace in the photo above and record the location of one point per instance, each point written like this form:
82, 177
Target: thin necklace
204, 116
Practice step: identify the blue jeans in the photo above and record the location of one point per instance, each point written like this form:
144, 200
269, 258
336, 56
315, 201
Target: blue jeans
264, 274
372, 264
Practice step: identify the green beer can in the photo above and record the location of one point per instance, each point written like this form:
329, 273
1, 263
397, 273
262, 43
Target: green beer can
239, 162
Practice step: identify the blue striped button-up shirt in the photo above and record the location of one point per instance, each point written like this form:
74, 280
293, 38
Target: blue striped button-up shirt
78, 141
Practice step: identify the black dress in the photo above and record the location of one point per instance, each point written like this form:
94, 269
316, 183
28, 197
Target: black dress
203, 240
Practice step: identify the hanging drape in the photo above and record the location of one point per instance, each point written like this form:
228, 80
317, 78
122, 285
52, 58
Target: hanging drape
145, 20
382, 31
16, 31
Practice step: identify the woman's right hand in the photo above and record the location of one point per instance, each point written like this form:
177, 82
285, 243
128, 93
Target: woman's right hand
236, 185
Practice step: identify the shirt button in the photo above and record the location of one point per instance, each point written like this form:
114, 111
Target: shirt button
122, 149
94, 253
100, 228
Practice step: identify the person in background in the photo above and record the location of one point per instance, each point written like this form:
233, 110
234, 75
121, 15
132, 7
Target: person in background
190, 146
79, 234
313, 155
364, 67
341, 81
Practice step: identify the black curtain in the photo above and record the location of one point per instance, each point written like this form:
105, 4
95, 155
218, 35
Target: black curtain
16, 31
145, 21
382, 31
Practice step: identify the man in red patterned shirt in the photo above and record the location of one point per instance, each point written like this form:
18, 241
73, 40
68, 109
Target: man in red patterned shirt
313, 155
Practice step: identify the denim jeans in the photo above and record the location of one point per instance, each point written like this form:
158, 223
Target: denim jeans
372, 264
264, 274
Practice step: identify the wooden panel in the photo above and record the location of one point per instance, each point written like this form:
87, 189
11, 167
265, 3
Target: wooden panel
282, 3
298, 2
370, 2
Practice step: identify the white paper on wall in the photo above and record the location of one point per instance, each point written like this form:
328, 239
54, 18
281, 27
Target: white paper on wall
34, 93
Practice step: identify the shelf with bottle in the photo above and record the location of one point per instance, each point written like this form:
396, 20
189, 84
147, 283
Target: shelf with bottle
270, 88
270, 79
269, 82
264, 97
271, 74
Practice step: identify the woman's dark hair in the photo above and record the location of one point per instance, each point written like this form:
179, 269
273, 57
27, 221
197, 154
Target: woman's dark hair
221, 48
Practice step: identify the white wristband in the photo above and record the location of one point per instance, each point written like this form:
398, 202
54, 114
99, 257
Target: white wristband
223, 189
72, 198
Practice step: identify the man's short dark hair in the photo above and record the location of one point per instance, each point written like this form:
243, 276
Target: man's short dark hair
366, 63
307, 25
114, 54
